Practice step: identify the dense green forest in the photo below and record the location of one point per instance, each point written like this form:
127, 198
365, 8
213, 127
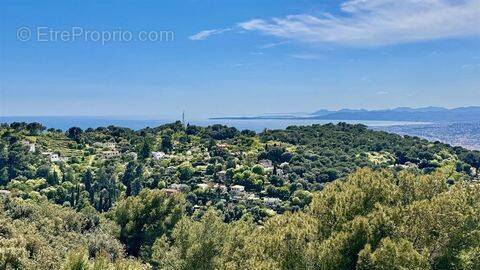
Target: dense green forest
188, 197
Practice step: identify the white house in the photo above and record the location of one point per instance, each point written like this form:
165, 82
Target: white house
4, 193
266, 164
253, 198
203, 186
222, 176
31, 146
158, 155
54, 157
271, 201
111, 154
111, 145
179, 187
237, 190
473, 171
170, 191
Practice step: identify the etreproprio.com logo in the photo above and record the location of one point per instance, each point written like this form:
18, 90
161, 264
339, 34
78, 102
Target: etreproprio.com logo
77, 33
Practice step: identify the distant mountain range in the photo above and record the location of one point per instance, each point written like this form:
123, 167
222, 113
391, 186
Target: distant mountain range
426, 114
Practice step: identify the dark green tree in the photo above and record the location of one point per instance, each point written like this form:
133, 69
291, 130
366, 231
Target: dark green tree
35, 128
145, 217
146, 149
87, 180
129, 176
75, 133
167, 144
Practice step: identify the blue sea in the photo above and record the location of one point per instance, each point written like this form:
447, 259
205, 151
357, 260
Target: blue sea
258, 125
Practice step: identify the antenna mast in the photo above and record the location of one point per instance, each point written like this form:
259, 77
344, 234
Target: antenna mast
183, 118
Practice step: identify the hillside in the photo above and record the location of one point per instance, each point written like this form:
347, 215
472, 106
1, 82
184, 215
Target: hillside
427, 114
150, 190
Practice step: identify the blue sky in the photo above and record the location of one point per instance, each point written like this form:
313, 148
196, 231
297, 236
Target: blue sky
239, 57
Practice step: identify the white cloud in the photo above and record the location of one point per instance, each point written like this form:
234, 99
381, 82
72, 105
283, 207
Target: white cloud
382, 93
275, 44
377, 22
307, 56
207, 33
242, 64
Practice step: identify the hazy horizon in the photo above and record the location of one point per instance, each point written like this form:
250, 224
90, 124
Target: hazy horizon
196, 117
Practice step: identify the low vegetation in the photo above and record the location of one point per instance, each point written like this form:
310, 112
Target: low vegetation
174, 197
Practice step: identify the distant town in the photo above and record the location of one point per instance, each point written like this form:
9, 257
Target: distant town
456, 134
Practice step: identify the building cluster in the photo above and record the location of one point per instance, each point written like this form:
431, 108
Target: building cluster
53, 157
217, 185
466, 134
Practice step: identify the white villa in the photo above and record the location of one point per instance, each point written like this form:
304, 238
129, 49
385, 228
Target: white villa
203, 186
54, 157
271, 201
111, 154
179, 187
170, 191
110, 145
4, 193
266, 164
237, 190
222, 176
31, 146
158, 155
253, 198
